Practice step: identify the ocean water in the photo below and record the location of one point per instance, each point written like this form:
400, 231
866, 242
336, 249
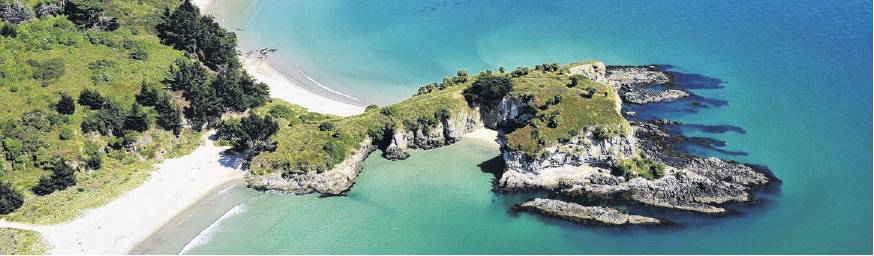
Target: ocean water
789, 80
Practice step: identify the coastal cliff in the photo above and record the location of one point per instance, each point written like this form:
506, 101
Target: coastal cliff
560, 129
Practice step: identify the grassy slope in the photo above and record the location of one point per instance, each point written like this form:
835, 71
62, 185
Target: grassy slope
20, 93
302, 147
21, 242
576, 111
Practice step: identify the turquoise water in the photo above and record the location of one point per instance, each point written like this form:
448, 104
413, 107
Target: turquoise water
795, 76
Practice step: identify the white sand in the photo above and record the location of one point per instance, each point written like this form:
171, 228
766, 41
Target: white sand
117, 227
482, 136
283, 88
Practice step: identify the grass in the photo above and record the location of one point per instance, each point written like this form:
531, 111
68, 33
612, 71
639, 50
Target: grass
573, 113
91, 59
21, 242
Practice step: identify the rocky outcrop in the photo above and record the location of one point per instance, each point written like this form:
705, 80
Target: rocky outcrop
595, 70
585, 214
643, 84
332, 182
446, 132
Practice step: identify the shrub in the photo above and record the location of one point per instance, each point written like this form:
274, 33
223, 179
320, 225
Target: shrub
327, 126
442, 114
66, 133
63, 176
137, 119
49, 69
66, 105
488, 89
12, 148
371, 107
91, 98
281, 111
575, 80
10, 200
169, 116
94, 161
520, 71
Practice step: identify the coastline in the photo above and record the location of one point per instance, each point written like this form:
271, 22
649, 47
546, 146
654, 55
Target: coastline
117, 227
285, 81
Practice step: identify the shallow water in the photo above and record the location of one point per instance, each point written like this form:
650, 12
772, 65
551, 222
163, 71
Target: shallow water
794, 76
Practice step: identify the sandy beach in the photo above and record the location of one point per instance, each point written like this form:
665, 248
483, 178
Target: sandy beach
117, 227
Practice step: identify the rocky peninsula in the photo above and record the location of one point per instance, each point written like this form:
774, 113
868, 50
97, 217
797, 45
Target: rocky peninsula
560, 129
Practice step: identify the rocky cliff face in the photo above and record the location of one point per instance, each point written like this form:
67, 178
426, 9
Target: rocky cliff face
333, 182
443, 133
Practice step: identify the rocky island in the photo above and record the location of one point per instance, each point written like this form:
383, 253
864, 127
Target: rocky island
560, 129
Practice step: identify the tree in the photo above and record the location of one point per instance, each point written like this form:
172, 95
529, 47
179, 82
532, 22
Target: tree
66, 105
63, 176
147, 96
94, 161
204, 106
88, 15
136, 119
575, 80
91, 98
488, 89
10, 200
256, 131
180, 27
185, 74
109, 120
169, 117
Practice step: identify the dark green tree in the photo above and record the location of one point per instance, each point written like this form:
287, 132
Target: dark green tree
88, 14
251, 134
137, 119
91, 98
186, 73
94, 161
181, 27
204, 107
488, 89
10, 200
63, 176
109, 120
169, 117
147, 96
66, 105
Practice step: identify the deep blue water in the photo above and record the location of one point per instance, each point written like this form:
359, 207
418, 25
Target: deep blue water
792, 79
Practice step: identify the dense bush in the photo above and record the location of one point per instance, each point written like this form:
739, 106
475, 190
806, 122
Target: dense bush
251, 134
89, 15
169, 117
91, 98
109, 120
147, 96
63, 176
10, 200
66, 105
137, 119
327, 126
575, 80
488, 89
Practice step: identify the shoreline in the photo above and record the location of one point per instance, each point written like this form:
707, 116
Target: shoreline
286, 82
174, 186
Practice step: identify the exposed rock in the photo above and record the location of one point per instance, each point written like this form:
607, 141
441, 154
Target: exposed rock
332, 182
643, 84
596, 71
584, 149
15, 12
586, 214
444, 133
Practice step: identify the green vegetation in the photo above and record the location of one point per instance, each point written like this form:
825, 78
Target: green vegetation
311, 142
561, 112
21, 242
84, 117
10, 200
639, 167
